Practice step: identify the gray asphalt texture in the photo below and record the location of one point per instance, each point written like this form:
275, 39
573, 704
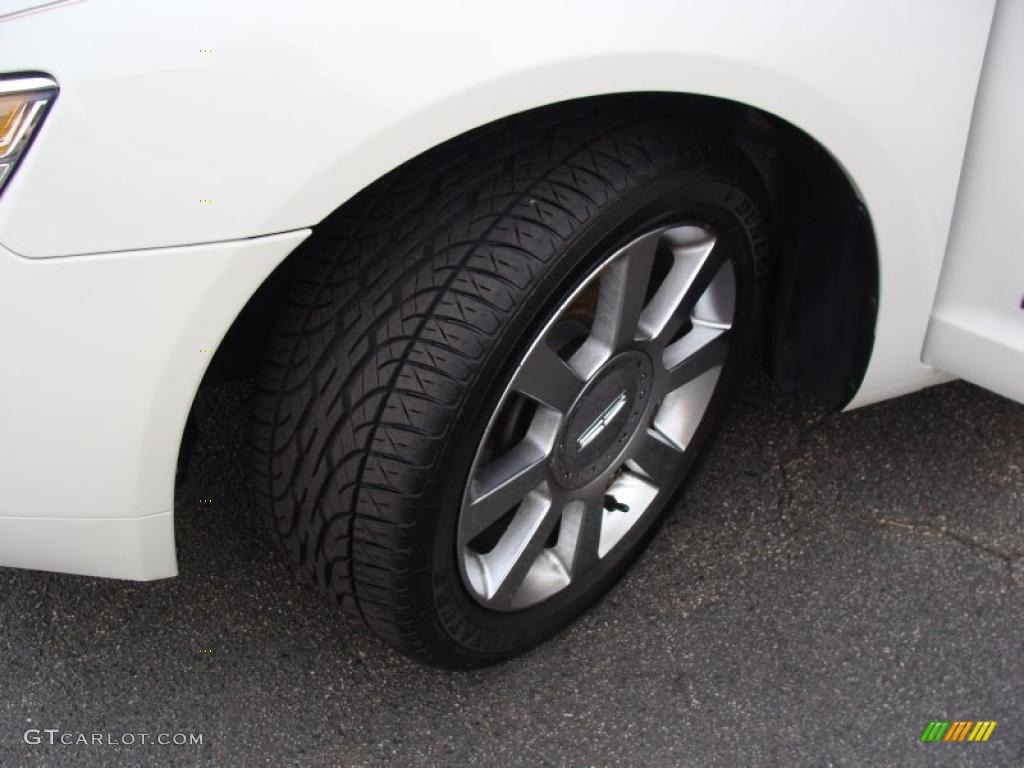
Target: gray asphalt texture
829, 585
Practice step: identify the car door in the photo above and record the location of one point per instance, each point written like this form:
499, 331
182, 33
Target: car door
976, 329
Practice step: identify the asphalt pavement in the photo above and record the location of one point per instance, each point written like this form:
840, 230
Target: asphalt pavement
829, 585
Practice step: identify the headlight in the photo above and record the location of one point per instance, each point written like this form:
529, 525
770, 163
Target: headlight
23, 104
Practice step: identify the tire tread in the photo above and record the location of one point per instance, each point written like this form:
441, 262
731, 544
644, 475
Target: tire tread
393, 308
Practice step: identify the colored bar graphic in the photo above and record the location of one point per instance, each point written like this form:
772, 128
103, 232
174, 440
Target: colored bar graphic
935, 730
958, 730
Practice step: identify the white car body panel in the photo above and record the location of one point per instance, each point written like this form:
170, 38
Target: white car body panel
284, 120
191, 123
977, 326
106, 353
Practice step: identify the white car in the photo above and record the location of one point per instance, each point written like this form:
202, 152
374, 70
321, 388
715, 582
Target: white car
498, 269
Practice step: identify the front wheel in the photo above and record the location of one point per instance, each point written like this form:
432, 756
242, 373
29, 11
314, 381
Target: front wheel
494, 372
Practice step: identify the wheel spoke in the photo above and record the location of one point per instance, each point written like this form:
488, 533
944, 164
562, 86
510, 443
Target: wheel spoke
658, 458
700, 350
501, 484
696, 265
547, 378
580, 536
622, 294
519, 548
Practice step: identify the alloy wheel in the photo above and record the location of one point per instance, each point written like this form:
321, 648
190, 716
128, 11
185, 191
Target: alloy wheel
591, 433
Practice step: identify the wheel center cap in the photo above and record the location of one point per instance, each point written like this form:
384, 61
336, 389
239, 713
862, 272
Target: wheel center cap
603, 419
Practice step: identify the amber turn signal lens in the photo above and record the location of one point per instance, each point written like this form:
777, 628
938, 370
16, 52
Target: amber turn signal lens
23, 104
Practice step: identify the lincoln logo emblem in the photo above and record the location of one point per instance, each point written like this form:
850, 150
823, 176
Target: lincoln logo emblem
601, 421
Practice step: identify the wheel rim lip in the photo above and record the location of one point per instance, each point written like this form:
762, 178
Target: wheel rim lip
651, 407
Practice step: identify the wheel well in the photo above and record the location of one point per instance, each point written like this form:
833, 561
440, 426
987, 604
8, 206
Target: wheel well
824, 296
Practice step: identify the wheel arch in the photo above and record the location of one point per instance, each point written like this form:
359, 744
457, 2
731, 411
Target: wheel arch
826, 280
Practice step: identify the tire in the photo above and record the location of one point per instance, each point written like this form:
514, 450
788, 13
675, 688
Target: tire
408, 315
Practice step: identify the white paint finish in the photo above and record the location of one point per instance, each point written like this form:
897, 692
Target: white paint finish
140, 548
292, 112
980, 347
297, 107
977, 328
102, 359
